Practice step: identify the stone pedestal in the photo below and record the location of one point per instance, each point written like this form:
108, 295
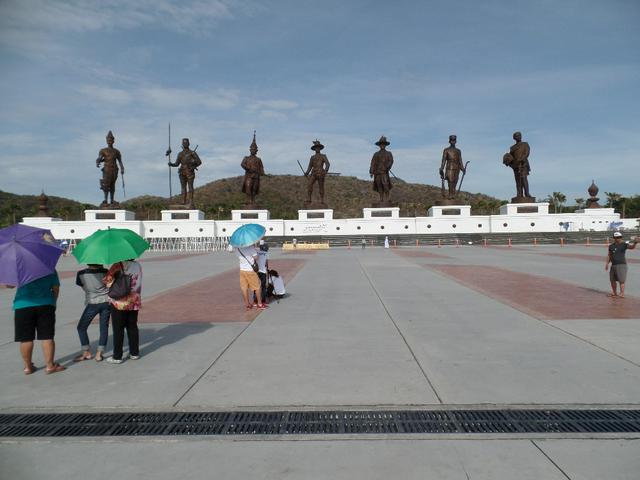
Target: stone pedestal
181, 214
447, 202
381, 212
525, 209
316, 214
450, 211
247, 215
523, 200
107, 215
382, 205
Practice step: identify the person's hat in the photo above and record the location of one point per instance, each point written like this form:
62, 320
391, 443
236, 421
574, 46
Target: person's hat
317, 145
617, 235
382, 141
110, 135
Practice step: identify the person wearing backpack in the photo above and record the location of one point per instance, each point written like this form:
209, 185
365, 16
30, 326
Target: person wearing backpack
124, 281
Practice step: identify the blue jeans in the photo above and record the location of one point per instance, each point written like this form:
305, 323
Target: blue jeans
90, 311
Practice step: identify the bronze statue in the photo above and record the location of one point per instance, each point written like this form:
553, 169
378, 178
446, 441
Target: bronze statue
450, 168
381, 164
316, 172
518, 160
111, 158
253, 169
189, 161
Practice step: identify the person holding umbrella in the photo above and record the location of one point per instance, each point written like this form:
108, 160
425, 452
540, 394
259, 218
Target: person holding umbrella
244, 239
28, 257
119, 247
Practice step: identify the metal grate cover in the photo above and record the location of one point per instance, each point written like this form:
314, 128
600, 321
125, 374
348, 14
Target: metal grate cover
314, 422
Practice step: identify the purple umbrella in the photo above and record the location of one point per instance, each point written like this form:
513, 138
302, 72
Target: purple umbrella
26, 254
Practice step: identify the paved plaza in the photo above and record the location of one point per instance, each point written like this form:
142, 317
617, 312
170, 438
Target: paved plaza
406, 328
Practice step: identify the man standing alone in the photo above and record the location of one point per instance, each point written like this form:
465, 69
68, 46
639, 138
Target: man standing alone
616, 257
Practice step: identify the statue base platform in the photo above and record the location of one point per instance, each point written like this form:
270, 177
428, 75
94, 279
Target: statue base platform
316, 214
523, 200
382, 205
107, 215
250, 214
109, 206
525, 209
450, 210
181, 214
381, 212
447, 201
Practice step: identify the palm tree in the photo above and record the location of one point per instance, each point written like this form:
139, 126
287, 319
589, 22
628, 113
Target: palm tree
558, 199
13, 209
579, 203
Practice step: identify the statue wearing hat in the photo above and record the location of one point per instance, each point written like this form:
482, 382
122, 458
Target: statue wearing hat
518, 160
381, 164
111, 158
253, 170
188, 161
316, 172
450, 169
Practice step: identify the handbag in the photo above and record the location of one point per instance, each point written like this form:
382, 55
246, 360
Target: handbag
121, 286
253, 264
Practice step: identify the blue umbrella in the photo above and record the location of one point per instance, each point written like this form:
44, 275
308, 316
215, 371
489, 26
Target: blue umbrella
247, 234
26, 254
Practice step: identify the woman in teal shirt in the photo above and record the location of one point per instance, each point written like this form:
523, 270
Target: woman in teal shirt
35, 314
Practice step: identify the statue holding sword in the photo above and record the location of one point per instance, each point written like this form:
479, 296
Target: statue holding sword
316, 173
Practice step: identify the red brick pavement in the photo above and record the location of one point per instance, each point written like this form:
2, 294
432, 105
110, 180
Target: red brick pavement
541, 297
211, 300
168, 258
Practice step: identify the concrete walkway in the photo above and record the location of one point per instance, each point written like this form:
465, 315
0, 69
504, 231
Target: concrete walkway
369, 328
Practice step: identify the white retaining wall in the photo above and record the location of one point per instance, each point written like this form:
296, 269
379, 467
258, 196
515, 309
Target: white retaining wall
602, 219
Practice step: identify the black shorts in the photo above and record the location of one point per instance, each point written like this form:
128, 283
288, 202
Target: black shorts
29, 320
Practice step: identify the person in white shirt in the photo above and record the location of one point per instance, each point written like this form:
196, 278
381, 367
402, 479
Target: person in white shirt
249, 279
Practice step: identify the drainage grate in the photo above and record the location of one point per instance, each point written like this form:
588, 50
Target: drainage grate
325, 423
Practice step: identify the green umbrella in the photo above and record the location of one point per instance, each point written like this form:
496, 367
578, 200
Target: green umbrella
110, 246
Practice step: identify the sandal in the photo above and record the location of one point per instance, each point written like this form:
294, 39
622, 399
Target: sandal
56, 368
99, 357
249, 307
30, 370
82, 357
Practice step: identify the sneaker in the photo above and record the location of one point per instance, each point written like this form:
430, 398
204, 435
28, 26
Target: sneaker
134, 357
263, 306
114, 361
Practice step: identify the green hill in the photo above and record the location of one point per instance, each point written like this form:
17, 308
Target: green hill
13, 207
284, 195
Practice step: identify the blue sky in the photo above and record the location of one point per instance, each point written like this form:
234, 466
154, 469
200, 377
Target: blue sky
567, 74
